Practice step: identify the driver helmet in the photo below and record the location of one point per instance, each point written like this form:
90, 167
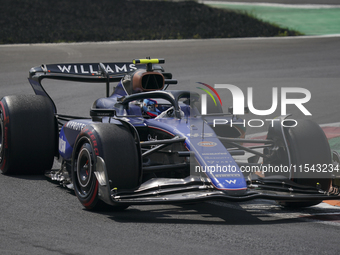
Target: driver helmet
150, 107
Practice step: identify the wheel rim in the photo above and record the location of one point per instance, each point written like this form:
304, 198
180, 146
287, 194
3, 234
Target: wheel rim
84, 171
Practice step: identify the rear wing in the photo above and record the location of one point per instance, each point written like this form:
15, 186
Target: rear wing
84, 72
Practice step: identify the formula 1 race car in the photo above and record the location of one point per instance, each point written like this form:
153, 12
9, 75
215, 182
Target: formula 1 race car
144, 144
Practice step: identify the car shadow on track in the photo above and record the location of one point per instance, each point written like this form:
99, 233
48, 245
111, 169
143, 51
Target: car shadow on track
212, 213
37, 177
203, 213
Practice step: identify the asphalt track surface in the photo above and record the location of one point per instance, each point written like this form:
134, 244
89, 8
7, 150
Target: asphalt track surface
39, 217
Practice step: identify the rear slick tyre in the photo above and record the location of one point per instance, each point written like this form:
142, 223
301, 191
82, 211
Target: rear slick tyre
28, 134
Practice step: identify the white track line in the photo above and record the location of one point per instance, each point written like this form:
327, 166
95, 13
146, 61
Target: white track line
174, 41
296, 6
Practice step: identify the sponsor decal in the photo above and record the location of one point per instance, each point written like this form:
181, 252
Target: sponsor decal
216, 153
93, 139
227, 175
62, 144
75, 125
93, 69
207, 144
195, 135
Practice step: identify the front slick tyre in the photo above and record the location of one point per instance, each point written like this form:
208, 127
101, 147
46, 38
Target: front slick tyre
308, 145
116, 146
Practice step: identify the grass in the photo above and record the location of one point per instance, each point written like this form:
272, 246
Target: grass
306, 21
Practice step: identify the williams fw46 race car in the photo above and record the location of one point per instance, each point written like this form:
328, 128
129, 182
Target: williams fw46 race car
144, 144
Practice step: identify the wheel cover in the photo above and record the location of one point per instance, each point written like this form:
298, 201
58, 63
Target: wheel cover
84, 171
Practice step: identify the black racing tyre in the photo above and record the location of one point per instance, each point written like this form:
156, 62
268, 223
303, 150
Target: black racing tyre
28, 134
308, 144
117, 147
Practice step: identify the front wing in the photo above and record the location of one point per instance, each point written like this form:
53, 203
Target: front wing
199, 189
